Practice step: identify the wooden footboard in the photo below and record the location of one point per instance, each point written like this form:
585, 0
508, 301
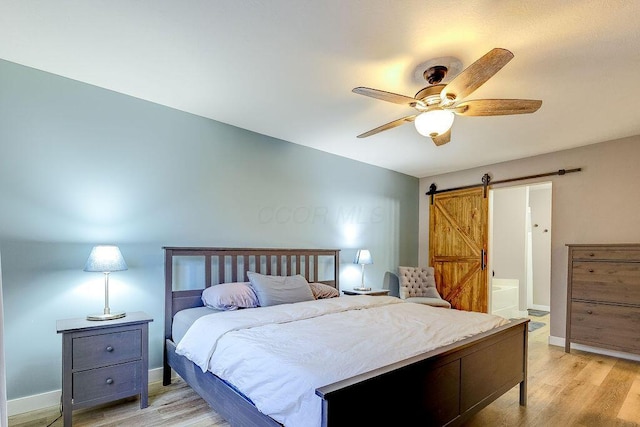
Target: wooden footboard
443, 387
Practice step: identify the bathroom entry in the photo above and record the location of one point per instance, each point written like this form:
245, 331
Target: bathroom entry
520, 249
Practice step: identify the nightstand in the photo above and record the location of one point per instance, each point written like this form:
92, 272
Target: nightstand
104, 361
373, 292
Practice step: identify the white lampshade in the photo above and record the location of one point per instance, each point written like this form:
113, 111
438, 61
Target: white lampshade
434, 122
105, 259
363, 256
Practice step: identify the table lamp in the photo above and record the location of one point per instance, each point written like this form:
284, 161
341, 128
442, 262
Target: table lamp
363, 257
105, 259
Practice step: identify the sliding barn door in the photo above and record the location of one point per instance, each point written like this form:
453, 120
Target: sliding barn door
458, 229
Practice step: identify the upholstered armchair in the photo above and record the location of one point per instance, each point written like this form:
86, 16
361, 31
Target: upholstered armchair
418, 284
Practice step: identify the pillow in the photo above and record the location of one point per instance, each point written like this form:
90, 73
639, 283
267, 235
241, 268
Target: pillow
275, 290
320, 290
230, 296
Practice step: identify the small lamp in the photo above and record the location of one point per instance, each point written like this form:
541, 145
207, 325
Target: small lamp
105, 259
363, 257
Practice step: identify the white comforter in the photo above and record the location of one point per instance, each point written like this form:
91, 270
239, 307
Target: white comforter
277, 356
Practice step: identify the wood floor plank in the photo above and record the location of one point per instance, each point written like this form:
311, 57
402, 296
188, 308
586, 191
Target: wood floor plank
603, 408
630, 410
597, 370
566, 408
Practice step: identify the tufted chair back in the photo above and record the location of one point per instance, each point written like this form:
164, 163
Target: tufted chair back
417, 282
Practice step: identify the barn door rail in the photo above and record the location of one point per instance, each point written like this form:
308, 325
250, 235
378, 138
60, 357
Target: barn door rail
486, 180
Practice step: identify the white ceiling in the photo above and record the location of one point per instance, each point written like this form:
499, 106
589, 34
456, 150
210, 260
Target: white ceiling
285, 68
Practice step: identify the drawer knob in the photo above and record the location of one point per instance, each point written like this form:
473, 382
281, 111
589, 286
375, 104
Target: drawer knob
591, 270
109, 349
592, 254
109, 381
589, 312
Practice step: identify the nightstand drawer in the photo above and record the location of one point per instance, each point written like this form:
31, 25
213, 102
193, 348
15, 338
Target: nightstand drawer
106, 349
106, 383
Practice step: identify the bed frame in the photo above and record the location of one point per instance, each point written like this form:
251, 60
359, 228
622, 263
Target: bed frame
445, 386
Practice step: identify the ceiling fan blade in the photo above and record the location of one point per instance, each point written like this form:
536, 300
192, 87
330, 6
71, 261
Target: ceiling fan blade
497, 107
475, 75
443, 138
385, 96
388, 126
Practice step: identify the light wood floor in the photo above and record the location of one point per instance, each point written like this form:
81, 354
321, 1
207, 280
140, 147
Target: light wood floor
577, 389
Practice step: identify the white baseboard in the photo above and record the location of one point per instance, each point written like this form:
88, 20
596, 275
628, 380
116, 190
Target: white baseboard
52, 398
559, 341
33, 402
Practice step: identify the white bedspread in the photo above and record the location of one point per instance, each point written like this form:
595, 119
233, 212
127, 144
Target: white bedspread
277, 356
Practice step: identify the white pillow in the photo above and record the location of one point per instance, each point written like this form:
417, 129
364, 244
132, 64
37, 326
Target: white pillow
230, 296
275, 290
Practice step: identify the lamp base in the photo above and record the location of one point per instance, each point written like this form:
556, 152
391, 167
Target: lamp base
110, 316
361, 289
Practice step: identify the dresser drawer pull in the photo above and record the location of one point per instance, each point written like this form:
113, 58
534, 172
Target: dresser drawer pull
109, 349
592, 254
591, 270
589, 312
109, 381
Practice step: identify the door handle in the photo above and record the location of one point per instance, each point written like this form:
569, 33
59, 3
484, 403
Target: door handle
483, 264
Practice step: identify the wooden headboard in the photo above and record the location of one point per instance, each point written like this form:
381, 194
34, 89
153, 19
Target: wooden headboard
222, 265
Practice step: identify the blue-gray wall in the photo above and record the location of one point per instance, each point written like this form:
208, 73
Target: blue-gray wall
80, 166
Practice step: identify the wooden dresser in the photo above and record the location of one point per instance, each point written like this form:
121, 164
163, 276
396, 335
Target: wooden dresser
603, 300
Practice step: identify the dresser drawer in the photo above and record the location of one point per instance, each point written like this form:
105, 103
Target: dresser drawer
619, 254
106, 349
603, 325
606, 281
107, 383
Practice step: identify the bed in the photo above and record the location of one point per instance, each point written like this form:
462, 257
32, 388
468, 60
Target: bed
442, 386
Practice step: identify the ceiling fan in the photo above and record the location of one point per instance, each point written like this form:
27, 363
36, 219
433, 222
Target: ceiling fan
438, 103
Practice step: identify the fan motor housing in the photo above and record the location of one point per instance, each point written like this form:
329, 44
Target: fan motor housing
430, 95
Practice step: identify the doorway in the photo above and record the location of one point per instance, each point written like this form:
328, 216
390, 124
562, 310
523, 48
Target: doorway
520, 252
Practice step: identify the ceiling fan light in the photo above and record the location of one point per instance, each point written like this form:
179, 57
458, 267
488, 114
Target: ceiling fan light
434, 122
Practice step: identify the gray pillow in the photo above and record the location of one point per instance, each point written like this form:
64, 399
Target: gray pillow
274, 290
